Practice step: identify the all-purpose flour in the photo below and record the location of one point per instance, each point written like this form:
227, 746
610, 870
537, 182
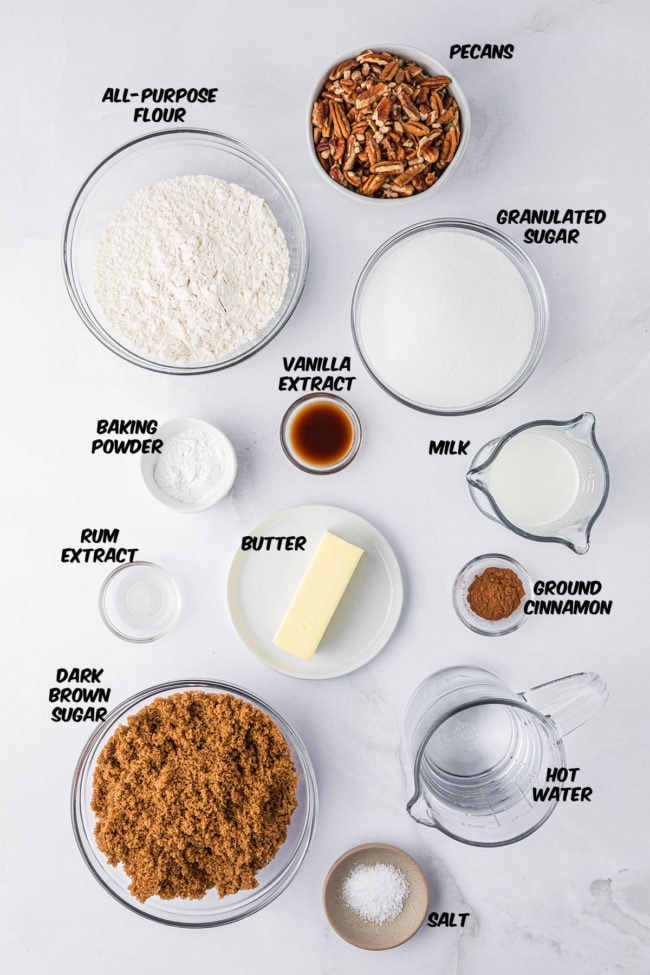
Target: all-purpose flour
446, 320
191, 268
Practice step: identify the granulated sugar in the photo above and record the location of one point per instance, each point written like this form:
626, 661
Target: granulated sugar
446, 320
190, 269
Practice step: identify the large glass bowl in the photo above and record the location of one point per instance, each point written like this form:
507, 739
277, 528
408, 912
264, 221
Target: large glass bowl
211, 910
164, 155
523, 265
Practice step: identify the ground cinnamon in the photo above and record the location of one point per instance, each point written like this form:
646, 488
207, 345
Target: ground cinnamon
495, 594
195, 793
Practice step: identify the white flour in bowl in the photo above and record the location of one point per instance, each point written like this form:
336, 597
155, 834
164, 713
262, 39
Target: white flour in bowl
446, 320
190, 269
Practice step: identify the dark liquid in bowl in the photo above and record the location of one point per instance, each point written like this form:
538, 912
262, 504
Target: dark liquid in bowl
321, 434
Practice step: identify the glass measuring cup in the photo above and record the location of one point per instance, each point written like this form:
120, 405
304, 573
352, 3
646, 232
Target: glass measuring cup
546, 480
478, 749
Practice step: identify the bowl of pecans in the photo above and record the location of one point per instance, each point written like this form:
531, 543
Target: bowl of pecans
387, 124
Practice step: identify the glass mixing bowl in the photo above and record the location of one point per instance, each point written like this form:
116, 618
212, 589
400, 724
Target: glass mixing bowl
210, 910
522, 264
164, 155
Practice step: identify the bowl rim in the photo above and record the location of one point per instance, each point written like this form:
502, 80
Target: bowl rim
428, 62
148, 464
108, 622
231, 145
104, 731
522, 263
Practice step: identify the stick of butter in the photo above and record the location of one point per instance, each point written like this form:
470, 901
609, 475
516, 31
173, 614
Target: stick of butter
319, 593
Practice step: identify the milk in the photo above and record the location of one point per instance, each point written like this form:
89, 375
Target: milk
534, 480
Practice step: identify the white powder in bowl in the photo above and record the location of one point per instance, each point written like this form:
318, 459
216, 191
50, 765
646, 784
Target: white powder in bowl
190, 467
446, 320
190, 269
376, 892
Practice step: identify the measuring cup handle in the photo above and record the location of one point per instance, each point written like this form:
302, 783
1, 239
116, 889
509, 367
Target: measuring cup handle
569, 701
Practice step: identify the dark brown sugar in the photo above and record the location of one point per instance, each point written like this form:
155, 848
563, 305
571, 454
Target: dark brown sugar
195, 792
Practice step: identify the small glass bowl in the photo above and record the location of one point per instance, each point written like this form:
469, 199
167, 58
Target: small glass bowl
530, 277
164, 155
432, 68
139, 602
464, 580
210, 910
291, 415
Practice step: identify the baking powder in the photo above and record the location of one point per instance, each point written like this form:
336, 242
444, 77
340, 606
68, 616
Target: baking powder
191, 268
190, 466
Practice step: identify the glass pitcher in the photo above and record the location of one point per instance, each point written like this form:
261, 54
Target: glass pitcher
546, 480
478, 750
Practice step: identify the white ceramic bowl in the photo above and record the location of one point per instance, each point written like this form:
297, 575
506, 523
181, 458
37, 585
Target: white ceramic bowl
225, 448
432, 68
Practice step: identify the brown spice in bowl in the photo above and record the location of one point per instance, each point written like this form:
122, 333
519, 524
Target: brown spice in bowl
195, 792
495, 594
383, 127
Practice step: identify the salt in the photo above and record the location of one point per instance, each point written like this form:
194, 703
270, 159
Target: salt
376, 892
446, 320
190, 466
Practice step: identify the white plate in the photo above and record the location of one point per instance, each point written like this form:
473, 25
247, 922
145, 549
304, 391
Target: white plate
262, 584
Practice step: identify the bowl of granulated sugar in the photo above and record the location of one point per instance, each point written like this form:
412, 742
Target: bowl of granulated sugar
450, 316
195, 467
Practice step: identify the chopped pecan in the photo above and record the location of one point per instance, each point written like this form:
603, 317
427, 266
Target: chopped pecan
382, 127
382, 112
350, 153
387, 167
400, 190
320, 113
337, 147
371, 185
339, 121
439, 81
408, 105
341, 68
416, 128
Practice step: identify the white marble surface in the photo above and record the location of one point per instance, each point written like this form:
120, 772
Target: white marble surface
563, 124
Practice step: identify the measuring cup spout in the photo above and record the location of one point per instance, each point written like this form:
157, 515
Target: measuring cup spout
475, 478
569, 701
582, 428
419, 811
